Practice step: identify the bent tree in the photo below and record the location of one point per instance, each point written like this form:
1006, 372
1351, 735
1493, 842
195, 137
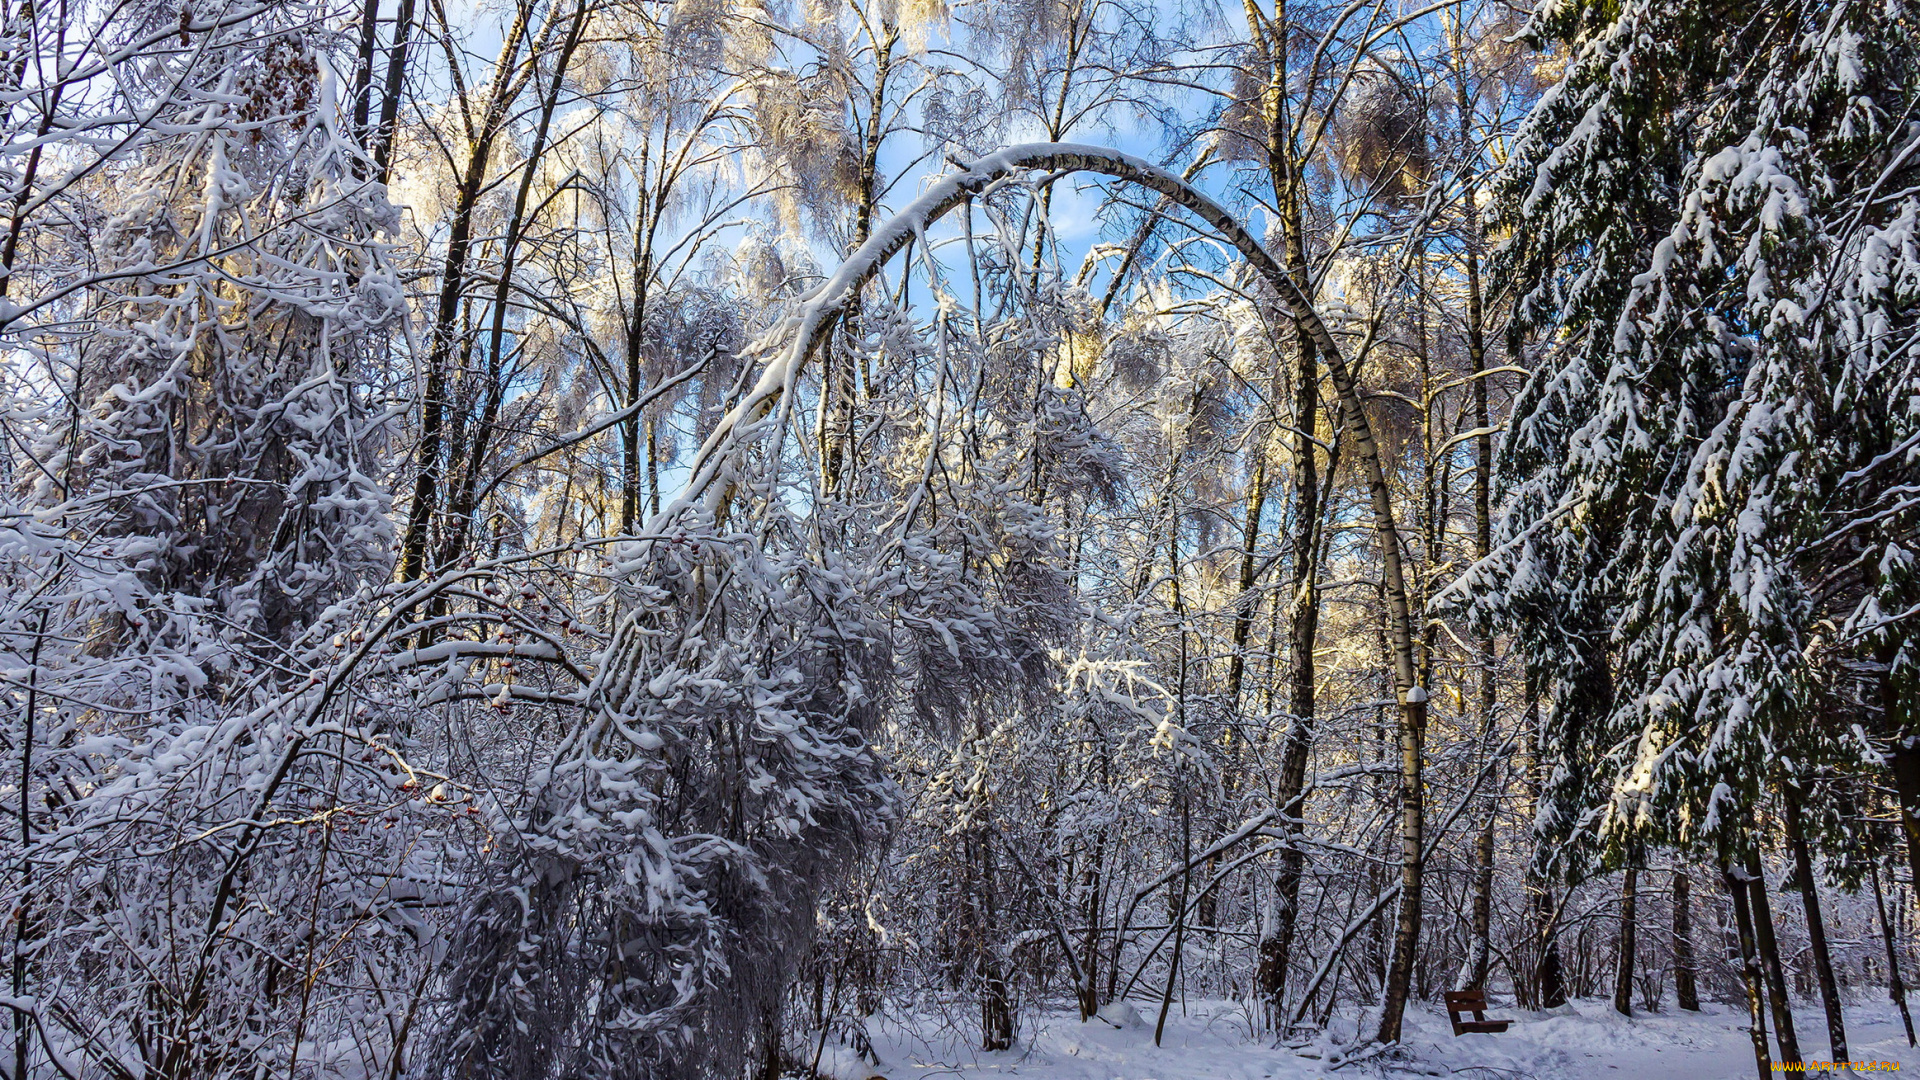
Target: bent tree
717, 466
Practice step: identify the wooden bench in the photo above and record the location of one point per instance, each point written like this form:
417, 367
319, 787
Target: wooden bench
1475, 1002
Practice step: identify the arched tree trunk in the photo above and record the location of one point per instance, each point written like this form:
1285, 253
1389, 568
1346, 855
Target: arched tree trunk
816, 318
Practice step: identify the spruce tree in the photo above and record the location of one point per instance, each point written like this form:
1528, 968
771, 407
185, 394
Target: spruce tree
1711, 235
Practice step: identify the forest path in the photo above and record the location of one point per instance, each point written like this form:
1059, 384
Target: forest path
1210, 1042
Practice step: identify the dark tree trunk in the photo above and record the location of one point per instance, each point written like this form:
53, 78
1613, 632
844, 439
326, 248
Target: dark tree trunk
996, 1006
1179, 912
1549, 978
1548, 973
363, 70
428, 466
1895, 988
1090, 910
1816, 926
1623, 962
1770, 965
1284, 172
1276, 945
979, 904
1246, 601
1480, 950
24, 921
1750, 972
1683, 963
1906, 760
463, 501
772, 1061
649, 208
446, 329
1906, 779
1245, 605
396, 81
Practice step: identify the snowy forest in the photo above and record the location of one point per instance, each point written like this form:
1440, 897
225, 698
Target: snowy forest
654, 539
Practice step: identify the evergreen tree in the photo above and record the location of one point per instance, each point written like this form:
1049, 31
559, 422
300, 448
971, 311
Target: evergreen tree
1712, 233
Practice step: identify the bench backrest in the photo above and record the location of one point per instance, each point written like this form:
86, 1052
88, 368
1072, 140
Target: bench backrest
1475, 1002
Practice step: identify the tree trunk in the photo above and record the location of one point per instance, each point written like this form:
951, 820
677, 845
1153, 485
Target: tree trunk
1769, 947
1816, 926
1270, 971
1090, 911
1482, 947
996, 1008
463, 499
653, 469
772, 1061
979, 904
23, 927
453, 282
1276, 946
1549, 974
1179, 912
1683, 963
1623, 965
363, 71
1245, 602
646, 221
1406, 928
1895, 988
1749, 971
1179, 906
1550, 986
433, 397
1245, 605
1906, 780
395, 83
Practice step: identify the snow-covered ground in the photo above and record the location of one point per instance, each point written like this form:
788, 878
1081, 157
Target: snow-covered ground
1210, 1042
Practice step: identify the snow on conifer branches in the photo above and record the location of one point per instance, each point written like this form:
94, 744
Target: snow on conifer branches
1708, 477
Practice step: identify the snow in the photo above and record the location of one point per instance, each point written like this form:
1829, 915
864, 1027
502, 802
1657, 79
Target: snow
1210, 1041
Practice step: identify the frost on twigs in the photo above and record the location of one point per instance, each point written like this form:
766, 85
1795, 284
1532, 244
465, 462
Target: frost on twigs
197, 512
777, 625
